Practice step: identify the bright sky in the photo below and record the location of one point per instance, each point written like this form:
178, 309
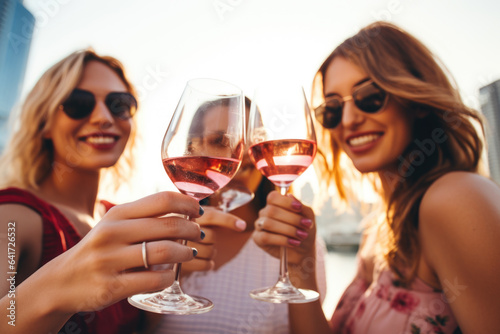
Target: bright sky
164, 43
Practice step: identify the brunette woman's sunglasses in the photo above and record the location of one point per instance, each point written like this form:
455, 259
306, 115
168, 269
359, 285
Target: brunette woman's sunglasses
369, 98
81, 103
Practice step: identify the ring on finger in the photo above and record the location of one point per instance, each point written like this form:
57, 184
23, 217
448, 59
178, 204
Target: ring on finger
259, 223
144, 255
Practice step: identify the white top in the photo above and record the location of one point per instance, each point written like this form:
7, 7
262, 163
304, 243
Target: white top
228, 288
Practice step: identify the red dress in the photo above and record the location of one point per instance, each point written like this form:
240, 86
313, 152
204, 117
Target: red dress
59, 235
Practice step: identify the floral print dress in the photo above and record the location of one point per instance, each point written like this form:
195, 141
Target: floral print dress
386, 307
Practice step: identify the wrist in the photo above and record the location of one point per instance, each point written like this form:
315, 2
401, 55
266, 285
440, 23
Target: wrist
303, 274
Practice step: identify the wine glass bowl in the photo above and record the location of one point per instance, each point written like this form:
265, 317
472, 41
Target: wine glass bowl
282, 145
201, 152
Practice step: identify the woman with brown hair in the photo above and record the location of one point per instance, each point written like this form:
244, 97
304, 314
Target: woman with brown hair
428, 260
76, 122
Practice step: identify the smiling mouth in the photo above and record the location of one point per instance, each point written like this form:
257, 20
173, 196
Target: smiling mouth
100, 140
363, 140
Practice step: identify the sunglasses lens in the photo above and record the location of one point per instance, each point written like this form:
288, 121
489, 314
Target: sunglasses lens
79, 104
122, 105
329, 113
370, 98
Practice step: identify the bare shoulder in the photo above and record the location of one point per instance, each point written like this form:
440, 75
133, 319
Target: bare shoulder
461, 195
27, 231
12, 211
459, 219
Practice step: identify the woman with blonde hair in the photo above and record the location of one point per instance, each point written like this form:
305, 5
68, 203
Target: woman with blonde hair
76, 122
427, 262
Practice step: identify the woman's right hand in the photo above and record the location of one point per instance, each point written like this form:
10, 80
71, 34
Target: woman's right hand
211, 223
107, 264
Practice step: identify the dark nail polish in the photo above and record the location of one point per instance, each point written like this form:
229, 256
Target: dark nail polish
195, 252
202, 234
201, 211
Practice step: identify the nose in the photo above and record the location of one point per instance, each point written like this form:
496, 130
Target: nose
351, 115
101, 115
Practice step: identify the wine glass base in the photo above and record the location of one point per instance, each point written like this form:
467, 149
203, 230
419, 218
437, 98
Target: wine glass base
178, 304
280, 295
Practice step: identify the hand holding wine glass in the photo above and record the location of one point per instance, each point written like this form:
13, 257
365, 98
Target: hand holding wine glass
282, 146
201, 151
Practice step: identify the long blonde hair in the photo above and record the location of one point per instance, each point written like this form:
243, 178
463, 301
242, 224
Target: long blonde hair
28, 157
445, 140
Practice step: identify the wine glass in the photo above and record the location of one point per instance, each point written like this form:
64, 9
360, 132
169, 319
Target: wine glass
282, 145
201, 152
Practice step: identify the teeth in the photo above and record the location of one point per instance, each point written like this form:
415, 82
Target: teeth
100, 140
362, 140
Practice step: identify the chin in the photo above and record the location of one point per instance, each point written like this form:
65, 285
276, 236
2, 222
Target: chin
366, 166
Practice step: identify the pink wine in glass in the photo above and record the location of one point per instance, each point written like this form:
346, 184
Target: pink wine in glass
282, 161
200, 176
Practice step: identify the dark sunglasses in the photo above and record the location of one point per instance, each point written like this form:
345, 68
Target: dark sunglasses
369, 98
81, 103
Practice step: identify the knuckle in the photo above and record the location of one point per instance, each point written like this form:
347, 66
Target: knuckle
272, 210
206, 265
173, 224
113, 210
209, 252
209, 214
257, 237
162, 252
265, 238
273, 196
102, 235
165, 196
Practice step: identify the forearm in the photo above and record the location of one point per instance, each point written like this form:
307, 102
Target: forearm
307, 317
30, 310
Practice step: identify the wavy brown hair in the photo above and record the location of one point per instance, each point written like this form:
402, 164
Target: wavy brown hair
446, 139
28, 157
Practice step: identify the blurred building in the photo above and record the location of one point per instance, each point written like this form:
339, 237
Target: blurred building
16, 31
490, 106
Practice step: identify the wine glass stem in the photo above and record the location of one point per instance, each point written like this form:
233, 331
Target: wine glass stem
283, 252
177, 266
176, 286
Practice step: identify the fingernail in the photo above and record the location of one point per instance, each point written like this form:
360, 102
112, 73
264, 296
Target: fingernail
202, 234
195, 252
241, 225
301, 234
296, 205
201, 211
307, 223
294, 242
